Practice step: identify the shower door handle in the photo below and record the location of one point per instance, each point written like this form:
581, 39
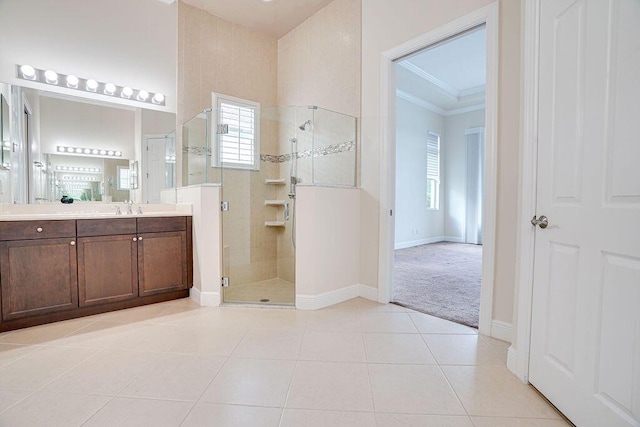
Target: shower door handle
286, 211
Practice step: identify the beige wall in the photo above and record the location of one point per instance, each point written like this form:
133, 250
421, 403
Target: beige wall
386, 25
319, 60
328, 240
318, 64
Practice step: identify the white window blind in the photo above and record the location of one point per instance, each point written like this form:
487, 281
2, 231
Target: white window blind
433, 171
239, 145
433, 156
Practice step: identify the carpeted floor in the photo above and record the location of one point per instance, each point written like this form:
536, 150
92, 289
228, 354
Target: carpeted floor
440, 279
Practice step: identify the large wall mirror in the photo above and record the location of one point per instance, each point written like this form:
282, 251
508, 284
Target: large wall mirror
87, 150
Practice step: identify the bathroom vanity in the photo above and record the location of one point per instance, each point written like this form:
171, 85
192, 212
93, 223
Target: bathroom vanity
60, 268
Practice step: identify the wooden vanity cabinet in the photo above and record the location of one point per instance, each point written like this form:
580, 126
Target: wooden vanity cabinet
107, 260
38, 268
62, 269
162, 255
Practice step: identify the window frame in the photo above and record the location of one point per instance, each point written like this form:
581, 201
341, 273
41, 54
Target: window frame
430, 178
216, 100
119, 185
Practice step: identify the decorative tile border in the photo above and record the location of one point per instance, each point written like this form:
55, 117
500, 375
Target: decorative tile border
316, 152
270, 158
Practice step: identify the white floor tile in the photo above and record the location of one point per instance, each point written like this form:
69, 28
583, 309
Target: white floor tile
332, 347
212, 414
331, 386
315, 418
125, 412
397, 348
251, 382
52, 409
412, 420
413, 389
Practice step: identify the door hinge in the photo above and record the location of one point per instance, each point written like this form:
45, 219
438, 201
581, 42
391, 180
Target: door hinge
224, 282
224, 206
223, 129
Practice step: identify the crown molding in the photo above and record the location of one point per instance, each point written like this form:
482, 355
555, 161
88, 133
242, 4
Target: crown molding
434, 108
454, 93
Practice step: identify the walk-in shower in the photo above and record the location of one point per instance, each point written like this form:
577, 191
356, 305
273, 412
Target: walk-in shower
298, 146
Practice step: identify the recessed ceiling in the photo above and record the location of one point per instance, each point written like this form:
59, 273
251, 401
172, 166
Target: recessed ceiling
275, 17
451, 75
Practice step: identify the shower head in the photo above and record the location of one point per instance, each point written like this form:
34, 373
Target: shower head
304, 125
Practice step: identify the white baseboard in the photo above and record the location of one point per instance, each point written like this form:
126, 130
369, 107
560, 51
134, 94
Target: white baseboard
452, 239
368, 292
326, 299
412, 243
204, 299
501, 330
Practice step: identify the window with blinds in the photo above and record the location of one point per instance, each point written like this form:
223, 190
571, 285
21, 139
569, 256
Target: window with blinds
433, 171
238, 132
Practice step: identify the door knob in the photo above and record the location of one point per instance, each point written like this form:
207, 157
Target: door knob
542, 222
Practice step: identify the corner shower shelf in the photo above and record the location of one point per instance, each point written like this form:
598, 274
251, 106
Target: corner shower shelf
275, 181
274, 224
274, 202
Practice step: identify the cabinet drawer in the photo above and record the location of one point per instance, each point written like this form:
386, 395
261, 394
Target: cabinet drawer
106, 227
29, 230
161, 224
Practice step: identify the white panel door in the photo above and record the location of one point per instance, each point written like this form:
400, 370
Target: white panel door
585, 338
156, 153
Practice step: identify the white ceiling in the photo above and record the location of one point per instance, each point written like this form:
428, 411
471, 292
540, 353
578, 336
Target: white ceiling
275, 17
450, 76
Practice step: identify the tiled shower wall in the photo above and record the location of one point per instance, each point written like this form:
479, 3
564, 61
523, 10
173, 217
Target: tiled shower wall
215, 55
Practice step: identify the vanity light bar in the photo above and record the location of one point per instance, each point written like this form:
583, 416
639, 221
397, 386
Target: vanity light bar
50, 77
93, 152
77, 169
80, 178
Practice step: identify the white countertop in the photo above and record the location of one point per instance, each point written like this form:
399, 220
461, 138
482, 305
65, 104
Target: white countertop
59, 211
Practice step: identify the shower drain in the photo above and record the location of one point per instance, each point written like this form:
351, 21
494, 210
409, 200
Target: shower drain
264, 300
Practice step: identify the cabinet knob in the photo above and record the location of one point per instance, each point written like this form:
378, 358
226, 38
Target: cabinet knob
39, 229
73, 243
135, 239
139, 238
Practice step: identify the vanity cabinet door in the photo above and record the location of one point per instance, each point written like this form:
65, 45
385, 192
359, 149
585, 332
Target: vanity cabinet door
107, 269
38, 277
162, 262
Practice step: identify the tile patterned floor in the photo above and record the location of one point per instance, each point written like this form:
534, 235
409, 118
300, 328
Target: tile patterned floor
176, 364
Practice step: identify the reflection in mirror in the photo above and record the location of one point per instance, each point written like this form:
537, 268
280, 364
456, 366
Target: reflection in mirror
93, 151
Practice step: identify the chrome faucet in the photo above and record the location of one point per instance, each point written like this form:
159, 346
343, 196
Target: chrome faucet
130, 207
139, 212
118, 211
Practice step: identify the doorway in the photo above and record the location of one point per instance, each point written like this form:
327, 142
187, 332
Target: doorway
440, 135
487, 16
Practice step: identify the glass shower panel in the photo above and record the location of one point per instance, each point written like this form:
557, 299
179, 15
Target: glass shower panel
258, 215
335, 149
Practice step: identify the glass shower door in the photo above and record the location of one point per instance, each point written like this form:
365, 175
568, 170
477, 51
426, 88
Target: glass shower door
255, 222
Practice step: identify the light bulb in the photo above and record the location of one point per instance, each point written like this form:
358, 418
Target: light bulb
118, 153
95, 151
60, 148
92, 85
70, 150
72, 81
109, 153
127, 92
103, 152
158, 98
28, 72
87, 151
143, 95
78, 150
51, 77
110, 89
